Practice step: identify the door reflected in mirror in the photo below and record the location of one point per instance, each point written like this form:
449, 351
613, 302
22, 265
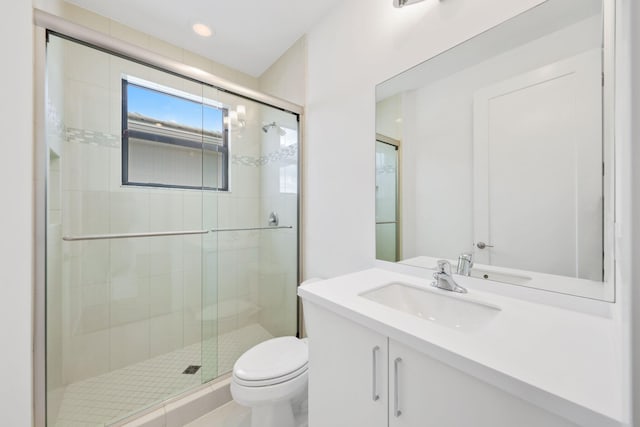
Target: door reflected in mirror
505, 152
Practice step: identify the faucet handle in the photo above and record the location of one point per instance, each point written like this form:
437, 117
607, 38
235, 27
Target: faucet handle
467, 256
465, 263
444, 266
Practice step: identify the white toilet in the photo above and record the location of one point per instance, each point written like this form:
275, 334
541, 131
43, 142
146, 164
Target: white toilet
271, 378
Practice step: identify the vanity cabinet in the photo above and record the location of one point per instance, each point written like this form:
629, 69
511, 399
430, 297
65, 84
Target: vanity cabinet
361, 378
431, 393
347, 372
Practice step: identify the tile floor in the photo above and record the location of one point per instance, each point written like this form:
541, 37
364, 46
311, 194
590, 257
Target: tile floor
105, 399
234, 415
229, 415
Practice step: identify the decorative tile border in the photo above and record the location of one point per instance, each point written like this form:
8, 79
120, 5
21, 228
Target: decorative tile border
289, 152
55, 125
84, 136
93, 137
386, 169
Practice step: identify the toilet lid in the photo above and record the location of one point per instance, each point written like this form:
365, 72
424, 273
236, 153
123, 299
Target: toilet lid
272, 360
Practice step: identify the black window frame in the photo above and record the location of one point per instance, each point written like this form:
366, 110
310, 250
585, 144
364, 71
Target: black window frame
222, 150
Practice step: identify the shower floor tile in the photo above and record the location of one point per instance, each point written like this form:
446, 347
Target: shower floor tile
106, 398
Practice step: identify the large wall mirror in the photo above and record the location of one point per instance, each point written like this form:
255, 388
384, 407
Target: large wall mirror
502, 148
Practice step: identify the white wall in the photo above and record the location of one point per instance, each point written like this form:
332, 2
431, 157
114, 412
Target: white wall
286, 78
358, 45
632, 314
119, 31
16, 221
389, 118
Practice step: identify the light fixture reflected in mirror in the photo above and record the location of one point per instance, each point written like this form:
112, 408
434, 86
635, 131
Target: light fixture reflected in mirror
242, 113
236, 119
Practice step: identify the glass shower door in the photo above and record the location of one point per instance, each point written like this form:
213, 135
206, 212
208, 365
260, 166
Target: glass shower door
126, 237
257, 226
386, 201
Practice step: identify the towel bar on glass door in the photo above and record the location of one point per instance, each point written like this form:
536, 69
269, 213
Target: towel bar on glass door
132, 235
218, 230
162, 233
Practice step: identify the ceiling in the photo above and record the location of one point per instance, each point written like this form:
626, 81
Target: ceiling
249, 35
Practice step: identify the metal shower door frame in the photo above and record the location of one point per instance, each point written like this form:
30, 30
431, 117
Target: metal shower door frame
45, 23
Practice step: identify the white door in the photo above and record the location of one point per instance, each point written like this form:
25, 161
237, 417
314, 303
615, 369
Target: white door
538, 170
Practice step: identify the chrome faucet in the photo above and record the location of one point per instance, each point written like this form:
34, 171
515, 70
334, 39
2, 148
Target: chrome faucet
444, 279
465, 262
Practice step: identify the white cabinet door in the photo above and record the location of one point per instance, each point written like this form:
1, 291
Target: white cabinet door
347, 372
426, 393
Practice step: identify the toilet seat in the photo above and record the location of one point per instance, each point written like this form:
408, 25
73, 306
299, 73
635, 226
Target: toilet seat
272, 362
271, 381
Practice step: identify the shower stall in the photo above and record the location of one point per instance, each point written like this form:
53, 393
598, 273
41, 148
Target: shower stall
171, 232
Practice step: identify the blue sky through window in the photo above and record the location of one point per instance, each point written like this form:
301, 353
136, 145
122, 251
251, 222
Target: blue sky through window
171, 108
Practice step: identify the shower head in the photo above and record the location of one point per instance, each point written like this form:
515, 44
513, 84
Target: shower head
266, 128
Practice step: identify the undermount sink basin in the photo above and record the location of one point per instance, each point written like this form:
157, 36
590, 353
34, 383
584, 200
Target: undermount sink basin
455, 311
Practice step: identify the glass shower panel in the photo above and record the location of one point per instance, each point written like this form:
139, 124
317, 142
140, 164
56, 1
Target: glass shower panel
257, 220
215, 169
386, 201
279, 161
127, 159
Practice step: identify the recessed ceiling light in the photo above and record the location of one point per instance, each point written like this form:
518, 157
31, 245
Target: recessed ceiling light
202, 30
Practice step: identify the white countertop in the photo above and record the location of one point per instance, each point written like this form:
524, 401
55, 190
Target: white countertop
549, 282
564, 361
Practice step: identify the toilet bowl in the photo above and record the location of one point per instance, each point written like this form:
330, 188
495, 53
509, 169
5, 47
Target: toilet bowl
271, 378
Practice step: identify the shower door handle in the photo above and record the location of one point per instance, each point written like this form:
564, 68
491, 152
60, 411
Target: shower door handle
279, 227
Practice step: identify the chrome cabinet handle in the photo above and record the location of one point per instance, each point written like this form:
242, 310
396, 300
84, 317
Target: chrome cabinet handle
482, 245
396, 393
374, 354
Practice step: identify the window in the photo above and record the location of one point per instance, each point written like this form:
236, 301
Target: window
172, 139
